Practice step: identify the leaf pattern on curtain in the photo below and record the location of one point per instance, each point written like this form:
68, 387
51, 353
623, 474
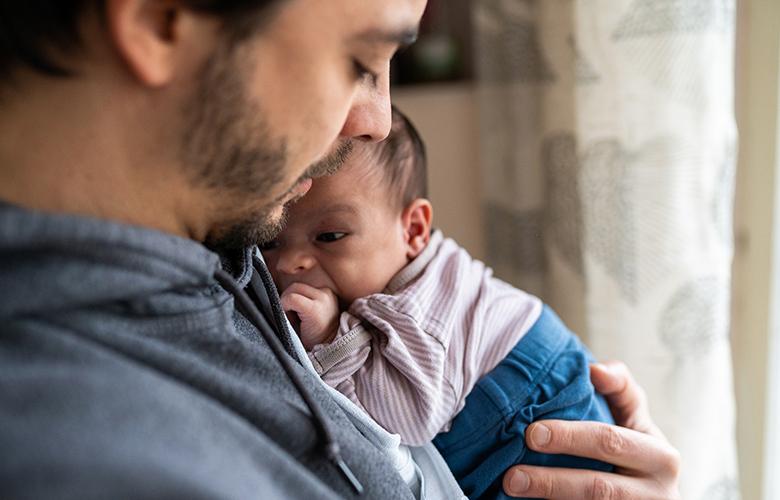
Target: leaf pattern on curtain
608, 154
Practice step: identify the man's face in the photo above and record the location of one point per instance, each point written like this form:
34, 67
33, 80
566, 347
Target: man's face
283, 106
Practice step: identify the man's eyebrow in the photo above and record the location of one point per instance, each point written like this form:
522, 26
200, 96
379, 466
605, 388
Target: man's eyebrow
403, 37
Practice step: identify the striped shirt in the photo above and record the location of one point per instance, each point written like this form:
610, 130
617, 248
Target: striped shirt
410, 355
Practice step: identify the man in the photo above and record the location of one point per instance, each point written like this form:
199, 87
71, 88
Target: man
133, 131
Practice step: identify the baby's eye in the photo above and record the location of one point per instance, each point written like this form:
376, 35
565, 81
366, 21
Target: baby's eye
269, 245
330, 237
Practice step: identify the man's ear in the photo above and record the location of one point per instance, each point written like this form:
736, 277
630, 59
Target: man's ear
416, 218
149, 36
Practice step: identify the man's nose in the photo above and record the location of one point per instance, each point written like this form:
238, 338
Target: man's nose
294, 261
369, 118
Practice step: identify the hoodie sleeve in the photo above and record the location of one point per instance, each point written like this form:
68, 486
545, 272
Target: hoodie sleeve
385, 361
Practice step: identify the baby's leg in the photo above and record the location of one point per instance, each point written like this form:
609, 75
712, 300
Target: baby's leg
545, 376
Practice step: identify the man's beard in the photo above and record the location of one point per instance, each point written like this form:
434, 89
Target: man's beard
262, 226
226, 145
227, 149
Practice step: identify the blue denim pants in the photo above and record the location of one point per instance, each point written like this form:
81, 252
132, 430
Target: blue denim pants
545, 376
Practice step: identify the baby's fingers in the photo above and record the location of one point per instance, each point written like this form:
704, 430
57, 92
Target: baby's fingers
303, 289
296, 302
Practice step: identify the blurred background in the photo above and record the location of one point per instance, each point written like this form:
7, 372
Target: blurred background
588, 150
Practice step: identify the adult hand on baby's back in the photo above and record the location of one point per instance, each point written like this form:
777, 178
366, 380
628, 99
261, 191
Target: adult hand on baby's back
317, 312
647, 466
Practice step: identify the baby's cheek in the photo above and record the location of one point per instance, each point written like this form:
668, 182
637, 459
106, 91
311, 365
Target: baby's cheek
362, 286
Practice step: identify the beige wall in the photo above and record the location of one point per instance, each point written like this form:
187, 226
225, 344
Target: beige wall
446, 117
755, 302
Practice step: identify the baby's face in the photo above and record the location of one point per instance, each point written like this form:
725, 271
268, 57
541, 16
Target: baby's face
345, 234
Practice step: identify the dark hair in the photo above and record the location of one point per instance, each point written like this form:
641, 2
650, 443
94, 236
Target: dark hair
403, 159
34, 32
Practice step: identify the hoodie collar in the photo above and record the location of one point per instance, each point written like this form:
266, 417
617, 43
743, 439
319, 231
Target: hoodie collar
416, 266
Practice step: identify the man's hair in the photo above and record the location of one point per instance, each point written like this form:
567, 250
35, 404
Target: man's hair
403, 161
37, 33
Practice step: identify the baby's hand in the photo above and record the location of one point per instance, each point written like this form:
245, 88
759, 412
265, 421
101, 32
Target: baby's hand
317, 310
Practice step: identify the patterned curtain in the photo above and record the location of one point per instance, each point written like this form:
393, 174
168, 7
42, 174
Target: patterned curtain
608, 145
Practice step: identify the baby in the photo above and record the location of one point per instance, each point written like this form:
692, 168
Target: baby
413, 330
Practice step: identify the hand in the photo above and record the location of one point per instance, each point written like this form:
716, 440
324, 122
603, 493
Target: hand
647, 466
317, 312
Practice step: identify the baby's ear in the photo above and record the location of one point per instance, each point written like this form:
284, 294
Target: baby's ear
416, 218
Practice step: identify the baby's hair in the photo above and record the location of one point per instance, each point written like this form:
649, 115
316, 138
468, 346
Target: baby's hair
403, 160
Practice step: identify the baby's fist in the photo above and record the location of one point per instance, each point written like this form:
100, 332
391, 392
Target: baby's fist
317, 310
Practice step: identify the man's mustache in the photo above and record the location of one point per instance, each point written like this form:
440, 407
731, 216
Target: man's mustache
331, 163
327, 166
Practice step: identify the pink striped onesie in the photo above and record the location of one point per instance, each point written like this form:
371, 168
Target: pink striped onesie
409, 356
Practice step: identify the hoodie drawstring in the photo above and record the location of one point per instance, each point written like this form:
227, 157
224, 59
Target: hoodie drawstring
273, 298
250, 311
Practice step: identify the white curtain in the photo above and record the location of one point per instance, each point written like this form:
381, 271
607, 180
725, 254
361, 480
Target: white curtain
608, 146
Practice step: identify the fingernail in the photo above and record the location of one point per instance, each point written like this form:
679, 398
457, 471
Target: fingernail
540, 435
518, 482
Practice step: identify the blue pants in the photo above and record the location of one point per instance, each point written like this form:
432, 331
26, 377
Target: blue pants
545, 376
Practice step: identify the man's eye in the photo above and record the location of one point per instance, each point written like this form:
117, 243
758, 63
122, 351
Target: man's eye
363, 73
330, 237
269, 245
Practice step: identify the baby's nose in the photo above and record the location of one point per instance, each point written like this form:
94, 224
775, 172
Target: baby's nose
295, 261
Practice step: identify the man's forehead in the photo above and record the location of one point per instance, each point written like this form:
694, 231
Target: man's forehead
386, 21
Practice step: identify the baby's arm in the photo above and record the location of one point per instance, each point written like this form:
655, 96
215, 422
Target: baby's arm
316, 313
387, 363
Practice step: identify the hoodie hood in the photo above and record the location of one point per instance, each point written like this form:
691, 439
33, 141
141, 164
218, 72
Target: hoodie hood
122, 347
84, 262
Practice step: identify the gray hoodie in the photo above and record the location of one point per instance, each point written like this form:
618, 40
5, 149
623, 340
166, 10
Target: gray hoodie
122, 375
